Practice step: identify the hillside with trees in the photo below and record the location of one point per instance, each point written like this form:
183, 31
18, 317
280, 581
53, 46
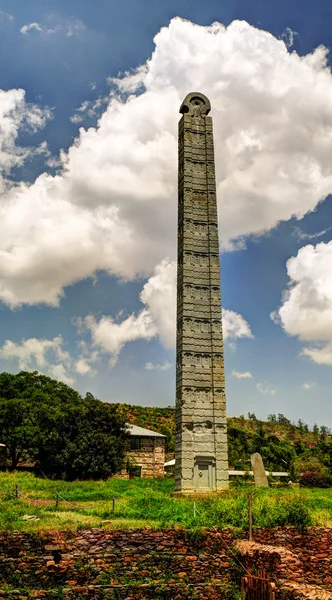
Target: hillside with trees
281, 443
71, 437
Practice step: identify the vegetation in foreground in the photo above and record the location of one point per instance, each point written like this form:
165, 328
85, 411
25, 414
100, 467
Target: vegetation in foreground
144, 502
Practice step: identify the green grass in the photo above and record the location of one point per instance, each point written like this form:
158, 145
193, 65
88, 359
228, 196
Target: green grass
146, 502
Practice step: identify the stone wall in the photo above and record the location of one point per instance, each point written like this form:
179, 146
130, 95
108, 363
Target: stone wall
150, 456
313, 547
147, 563
299, 562
118, 564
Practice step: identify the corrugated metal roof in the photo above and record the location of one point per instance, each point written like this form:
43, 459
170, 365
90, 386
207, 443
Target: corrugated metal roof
136, 430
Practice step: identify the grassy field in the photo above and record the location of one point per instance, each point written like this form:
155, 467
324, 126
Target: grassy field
144, 502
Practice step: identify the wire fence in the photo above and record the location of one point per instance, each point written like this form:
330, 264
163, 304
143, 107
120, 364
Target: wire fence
58, 499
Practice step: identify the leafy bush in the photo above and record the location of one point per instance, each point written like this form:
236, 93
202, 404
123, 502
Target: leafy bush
298, 513
315, 479
308, 463
280, 510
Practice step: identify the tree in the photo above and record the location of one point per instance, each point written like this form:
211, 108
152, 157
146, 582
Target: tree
17, 429
252, 416
283, 420
98, 447
272, 418
67, 435
300, 425
324, 431
315, 429
309, 463
238, 447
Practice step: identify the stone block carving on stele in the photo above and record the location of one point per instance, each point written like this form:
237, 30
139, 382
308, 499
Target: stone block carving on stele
201, 457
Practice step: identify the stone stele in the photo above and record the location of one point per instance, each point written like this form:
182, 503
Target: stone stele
201, 459
259, 470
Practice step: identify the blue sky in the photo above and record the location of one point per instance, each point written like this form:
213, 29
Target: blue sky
88, 115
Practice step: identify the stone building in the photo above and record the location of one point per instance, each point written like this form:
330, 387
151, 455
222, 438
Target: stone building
145, 453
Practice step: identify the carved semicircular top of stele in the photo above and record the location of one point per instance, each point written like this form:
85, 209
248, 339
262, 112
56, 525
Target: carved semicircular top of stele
196, 104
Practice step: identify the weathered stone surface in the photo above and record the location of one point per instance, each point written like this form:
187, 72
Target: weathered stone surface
293, 577
306, 546
201, 459
150, 457
122, 563
259, 470
138, 563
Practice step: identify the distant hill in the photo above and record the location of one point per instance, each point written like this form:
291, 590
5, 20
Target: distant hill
278, 440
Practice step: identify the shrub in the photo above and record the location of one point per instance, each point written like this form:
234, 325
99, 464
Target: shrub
315, 479
307, 463
298, 513
280, 510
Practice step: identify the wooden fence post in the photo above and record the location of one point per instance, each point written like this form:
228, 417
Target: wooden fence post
250, 516
56, 500
113, 504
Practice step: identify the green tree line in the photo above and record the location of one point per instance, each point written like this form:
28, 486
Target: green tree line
281, 443
72, 437
66, 435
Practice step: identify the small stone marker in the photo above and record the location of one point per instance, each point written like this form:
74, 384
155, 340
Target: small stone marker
259, 470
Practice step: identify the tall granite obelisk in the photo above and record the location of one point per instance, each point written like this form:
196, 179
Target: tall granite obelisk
201, 460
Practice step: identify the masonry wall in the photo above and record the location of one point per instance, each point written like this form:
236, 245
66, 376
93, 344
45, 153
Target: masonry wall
299, 562
150, 456
127, 564
146, 564
313, 547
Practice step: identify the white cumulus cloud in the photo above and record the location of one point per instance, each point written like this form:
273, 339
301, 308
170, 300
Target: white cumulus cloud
265, 389
110, 337
5, 18
157, 367
234, 325
306, 310
50, 357
46, 355
159, 295
60, 372
83, 367
112, 204
321, 354
16, 115
157, 318
31, 27
308, 385
69, 27
241, 375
